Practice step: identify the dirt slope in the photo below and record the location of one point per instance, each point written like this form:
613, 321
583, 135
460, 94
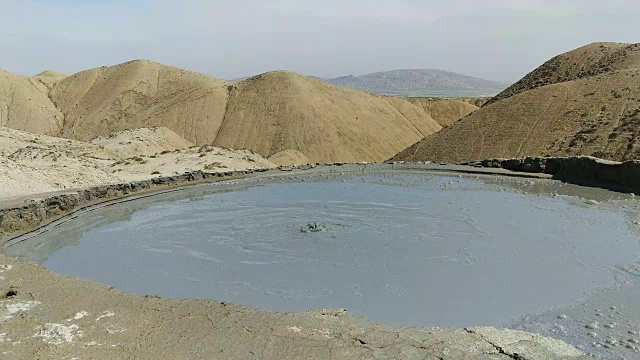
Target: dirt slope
596, 115
144, 141
49, 78
587, 61
268, 114
32, 163
138, 94
24, 105
475, 101
281, 111
443, 110
289, 157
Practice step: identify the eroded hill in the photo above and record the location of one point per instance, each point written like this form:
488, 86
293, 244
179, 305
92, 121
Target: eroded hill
446, 111
24, 105
584, 62
571, 108
281, 111
281, 114
138, 94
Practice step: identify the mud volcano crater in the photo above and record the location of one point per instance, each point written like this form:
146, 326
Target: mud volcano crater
410, 249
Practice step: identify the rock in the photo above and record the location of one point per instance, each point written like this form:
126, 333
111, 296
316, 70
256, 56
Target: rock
309, 228
592, 326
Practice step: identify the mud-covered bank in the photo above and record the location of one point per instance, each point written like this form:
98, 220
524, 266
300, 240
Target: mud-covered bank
24, 215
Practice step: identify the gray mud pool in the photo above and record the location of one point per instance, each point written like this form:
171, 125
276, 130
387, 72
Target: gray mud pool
412, 249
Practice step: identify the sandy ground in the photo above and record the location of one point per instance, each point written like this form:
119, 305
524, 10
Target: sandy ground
289, 157
32, 164
142, 142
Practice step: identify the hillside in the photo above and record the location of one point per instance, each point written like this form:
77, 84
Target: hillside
143, 141
584, 62
138, 94
282, 114
420, 83
281, 110
299, 118
586, 103
49, 78
33, 163
24, 105
446, 111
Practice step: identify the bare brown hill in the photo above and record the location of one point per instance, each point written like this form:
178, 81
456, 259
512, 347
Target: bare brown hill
281, 110
446, 110
270, 113
49, 78
587, 61
138, 94
142, 141
24, 105
475, 101
267, 114
289, 157
596, 115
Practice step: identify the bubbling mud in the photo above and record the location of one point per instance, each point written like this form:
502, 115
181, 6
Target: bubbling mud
400, 248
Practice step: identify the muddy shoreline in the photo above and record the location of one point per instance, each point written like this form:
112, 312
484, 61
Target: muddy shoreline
46, 315
20, 216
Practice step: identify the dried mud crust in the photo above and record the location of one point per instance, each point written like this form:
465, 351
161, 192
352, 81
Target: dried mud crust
46, 315
51, 316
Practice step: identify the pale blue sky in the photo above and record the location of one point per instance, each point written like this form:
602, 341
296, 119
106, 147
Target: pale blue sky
494, 39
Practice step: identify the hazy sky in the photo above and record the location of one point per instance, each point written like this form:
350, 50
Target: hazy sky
494, 39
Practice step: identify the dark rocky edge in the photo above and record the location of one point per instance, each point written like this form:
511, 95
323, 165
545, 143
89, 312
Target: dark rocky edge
34, 213
581, 170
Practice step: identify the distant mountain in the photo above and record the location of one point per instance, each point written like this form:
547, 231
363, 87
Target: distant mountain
420, 82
